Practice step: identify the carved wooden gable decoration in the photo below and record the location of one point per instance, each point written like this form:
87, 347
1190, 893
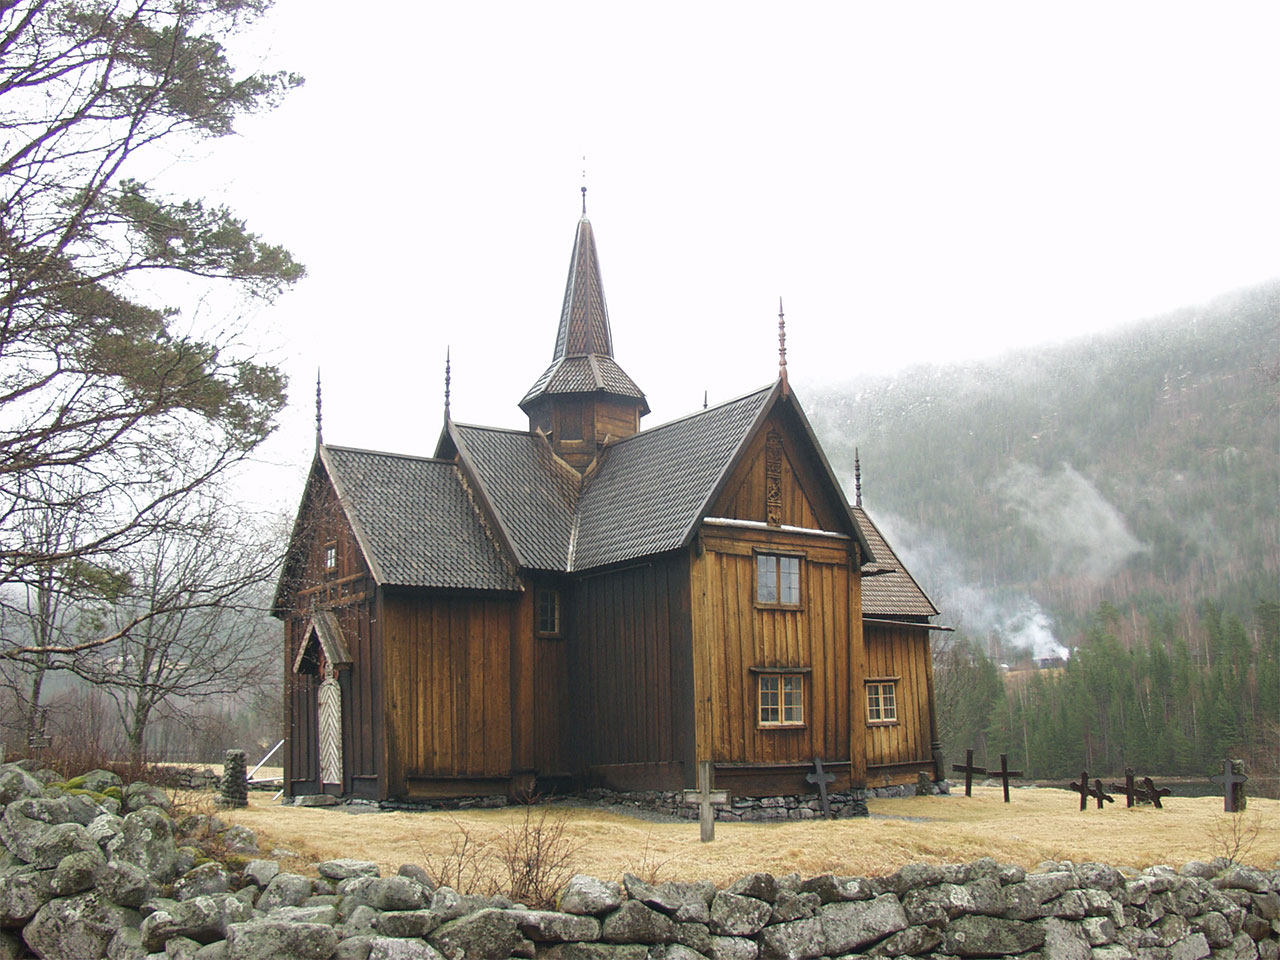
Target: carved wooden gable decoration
781, 480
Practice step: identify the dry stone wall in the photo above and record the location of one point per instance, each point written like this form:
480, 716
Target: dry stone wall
86, 875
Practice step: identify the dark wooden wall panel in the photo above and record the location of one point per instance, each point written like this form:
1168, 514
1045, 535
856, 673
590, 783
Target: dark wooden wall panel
447, 686
630, 665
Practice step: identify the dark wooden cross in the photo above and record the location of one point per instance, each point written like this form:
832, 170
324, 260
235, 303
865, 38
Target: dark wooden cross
1101, 794
1127, 787
1233, 787
1006, 773
968, 769
1082, 788
1154, 793
821, 778
706, 798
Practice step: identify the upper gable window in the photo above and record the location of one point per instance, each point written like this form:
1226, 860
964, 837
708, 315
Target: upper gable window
777, 580
330, 558
547, 612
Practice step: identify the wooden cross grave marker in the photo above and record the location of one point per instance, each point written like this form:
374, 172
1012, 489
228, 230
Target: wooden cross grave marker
821, 778
1006, 773
1145, 792
1154, 793
1082, 788
1101, 794
968, 769
706, 798
1230, 780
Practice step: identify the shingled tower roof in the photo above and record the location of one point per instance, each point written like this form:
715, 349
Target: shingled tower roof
583, 359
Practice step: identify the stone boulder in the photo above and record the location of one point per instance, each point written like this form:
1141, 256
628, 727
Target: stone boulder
78, 872
346, 868
126, 884
484, 935
633, 922
17, 784
139, 795
847, 927
276, 939
587, 896
146, 841
975, 936
23, 891
75, 928
285, 890
205, 879
734, 915
204, 919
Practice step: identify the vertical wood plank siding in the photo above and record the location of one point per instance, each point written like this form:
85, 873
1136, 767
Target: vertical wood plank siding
447, 687
630, 667
901, 653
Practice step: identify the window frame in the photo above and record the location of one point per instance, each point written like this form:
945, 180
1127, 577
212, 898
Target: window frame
881, 684
758, 555
558, 605
780, 677
329, 557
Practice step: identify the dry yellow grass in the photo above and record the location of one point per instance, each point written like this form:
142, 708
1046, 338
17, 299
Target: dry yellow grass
1038, 825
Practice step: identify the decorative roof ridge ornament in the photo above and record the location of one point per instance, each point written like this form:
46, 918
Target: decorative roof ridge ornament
584, 188
446, 383
857, 480
319, 438
782, 350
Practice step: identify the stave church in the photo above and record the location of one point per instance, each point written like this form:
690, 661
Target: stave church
594, 602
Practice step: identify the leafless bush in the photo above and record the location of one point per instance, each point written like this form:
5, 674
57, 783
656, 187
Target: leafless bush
1234, 834
536, 857
649, 868
467, 866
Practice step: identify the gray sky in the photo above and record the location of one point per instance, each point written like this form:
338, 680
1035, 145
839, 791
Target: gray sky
920, 182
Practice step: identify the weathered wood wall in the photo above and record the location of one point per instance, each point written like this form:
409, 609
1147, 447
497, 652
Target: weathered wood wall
448, 692
734, 635
631, 676
902, 653
348, 590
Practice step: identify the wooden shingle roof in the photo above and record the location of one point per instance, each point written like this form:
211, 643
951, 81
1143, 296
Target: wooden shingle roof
415, 521
888, 589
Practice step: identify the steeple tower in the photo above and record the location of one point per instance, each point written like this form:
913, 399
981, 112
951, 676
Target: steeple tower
584, 397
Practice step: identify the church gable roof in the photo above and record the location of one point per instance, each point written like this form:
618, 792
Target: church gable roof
888, 589
415, 521
649, 492
532, 494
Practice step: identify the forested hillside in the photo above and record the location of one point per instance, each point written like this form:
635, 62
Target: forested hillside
1116, 496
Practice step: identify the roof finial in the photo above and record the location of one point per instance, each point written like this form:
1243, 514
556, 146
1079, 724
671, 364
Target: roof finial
782, 350
446, 382
704, 399
857, 480
584, 186
318, 436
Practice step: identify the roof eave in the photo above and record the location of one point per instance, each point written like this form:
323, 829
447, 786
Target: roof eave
472, 477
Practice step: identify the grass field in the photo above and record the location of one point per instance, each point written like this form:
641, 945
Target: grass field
1038, 825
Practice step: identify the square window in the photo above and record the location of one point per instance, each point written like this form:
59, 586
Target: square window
548, 612
777, 580
781, 700
882, 702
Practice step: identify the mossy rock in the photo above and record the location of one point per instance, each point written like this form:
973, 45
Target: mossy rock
115, 793
235, 862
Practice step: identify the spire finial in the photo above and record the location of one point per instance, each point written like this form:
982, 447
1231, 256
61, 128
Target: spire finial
704, 399
319, 440
857, 479
584, 186
446, 382
782, 349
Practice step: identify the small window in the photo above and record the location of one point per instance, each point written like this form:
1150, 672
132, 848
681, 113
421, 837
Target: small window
330, 557
777, 580
781, 700
548, 612
882, 702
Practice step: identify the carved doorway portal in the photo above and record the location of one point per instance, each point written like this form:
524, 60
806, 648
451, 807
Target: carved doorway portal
329, 710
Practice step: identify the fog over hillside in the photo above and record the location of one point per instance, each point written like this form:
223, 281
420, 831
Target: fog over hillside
1139, 468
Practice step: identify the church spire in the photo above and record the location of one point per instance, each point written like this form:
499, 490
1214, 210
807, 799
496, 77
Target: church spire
319, 437
584, 396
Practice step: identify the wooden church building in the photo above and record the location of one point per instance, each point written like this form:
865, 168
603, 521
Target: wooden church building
588, 603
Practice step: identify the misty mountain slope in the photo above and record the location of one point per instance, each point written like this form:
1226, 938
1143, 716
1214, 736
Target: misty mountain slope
1141, 464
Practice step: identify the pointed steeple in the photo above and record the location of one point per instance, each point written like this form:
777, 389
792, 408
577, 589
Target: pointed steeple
582, 369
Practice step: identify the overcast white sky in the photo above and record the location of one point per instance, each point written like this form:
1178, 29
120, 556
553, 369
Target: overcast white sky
919, 182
